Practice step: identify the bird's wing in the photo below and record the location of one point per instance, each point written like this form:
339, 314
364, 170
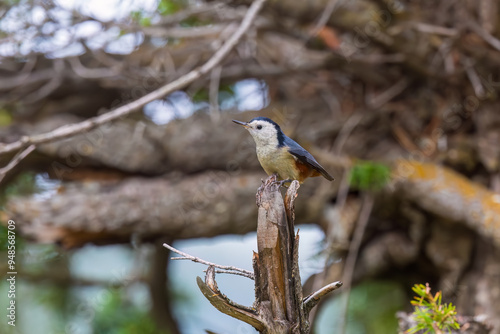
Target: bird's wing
305, 157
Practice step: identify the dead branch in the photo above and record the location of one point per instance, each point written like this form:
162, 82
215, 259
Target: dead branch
227, 269
490, 39
231, 272
225, 305
16, 160
448, 194
314, 298
279, 306
386, 96
147, 207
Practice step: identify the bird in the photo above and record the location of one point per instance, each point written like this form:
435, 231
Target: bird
281, 155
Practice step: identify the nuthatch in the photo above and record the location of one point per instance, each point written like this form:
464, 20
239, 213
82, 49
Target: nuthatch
281, 155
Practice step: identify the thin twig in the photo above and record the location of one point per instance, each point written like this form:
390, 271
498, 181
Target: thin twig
350, 262
17, 159
384, 97
433, 29
314, 298
232, 272
54, 83
490, 39
325, 16
186, 256
474, 78
214, 93
346, 131
180, 32
77, 128
91, 73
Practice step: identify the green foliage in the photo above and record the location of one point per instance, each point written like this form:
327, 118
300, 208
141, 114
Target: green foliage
118, 316
3, 238
24, 184
141, 18
193, 21
145, 21
431, 315
200, 95
368, 175
168, 7
5, 117
13, 2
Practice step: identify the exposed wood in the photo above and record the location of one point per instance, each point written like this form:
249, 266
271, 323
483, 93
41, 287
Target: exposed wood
275, 261
225, 269
279, 306
314, 298
223, 304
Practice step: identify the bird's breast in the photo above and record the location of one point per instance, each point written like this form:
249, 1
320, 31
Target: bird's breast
277, 161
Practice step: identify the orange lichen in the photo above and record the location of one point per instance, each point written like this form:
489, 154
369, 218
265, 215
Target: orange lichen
440, 189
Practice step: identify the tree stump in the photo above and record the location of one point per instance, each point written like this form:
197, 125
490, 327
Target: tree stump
279, 306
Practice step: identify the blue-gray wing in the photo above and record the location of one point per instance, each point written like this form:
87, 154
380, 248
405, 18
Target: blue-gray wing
305, 157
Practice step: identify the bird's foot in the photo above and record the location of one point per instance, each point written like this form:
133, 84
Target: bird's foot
282, 182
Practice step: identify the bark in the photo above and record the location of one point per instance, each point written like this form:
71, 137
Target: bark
279, 306
179, 208
450, 195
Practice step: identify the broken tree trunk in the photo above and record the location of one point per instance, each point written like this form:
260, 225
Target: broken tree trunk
279, 306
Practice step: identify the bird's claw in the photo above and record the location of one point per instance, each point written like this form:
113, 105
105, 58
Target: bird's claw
282, 182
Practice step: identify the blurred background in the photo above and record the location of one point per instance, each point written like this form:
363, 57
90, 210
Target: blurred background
398, 100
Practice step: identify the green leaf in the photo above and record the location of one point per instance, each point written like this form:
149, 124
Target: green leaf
430, 313
145, 21
368, 175
168, 7
200, 96
5, 117
136, 15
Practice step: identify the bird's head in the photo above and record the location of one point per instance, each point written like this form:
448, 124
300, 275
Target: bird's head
264, 131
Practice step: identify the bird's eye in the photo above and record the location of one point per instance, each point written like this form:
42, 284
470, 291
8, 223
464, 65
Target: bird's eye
259, 127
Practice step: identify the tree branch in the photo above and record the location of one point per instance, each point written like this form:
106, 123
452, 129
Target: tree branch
16, 160
314, 298
185, 256
73, 129
225, 305
231, 272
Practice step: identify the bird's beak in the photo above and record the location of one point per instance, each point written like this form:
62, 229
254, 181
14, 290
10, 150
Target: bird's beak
241, 123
